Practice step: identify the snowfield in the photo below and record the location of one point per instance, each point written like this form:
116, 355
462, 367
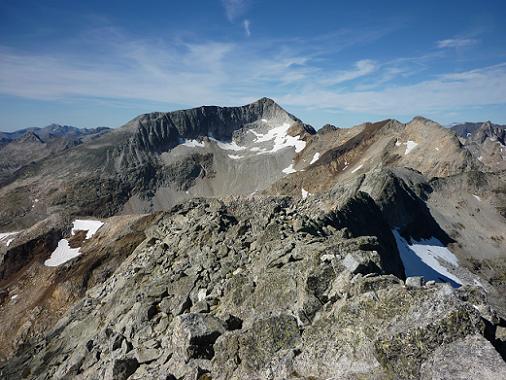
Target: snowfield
63, 251
275, 139
91, 226
281, 139
62, 254
428, 258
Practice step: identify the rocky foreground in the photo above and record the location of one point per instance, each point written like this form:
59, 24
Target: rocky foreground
266, 289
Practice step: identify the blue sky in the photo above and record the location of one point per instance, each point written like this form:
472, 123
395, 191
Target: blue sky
93, 63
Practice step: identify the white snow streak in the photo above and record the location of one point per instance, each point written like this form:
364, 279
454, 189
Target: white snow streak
357, 168
4, 237
192, 143
305, 193
234, 156
289, 169
227, 145
477, 197
315, 158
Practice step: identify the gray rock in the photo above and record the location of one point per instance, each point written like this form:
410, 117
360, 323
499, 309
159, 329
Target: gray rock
146, 355
121, 369
194, 334
273, 309
472, 357
414, 282
363, 262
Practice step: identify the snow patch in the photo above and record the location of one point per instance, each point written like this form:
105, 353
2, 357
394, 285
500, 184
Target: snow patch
281, 138
477, 197
91, 226
357, 168
62, 254
305, 193
234, 156
14, 297
192, 143
428, 258
315, 158
232, 145
398, 143
410, 145
290, 169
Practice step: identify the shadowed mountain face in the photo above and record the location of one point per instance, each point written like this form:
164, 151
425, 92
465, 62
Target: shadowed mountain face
159, 159
238, 242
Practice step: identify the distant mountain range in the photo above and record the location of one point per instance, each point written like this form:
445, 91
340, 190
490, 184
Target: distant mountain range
50, 132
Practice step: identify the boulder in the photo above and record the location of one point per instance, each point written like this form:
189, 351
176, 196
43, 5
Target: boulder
362, 262
414, 282
472, 357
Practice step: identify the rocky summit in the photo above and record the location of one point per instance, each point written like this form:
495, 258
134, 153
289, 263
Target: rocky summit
241, 243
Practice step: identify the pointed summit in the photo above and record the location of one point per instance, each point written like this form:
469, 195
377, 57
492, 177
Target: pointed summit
31, 138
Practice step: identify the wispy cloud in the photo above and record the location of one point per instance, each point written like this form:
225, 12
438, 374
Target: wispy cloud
480, 87
246, 24
456, 43
235, 8
294, 72
361, 68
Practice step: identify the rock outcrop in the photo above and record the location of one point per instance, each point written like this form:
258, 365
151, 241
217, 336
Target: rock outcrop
234, 290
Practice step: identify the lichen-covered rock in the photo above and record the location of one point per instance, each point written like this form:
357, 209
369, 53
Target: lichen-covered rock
467, 357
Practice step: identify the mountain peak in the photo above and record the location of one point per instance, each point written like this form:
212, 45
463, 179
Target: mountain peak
265, 100
422, 119
30, 137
